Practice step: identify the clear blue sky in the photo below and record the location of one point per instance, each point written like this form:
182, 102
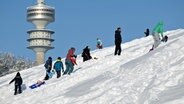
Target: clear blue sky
79, 22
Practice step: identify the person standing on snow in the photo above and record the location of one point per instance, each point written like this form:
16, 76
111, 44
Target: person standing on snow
58, 65
18, 82
99, 44
157, 35
48, 67
118, 41
69, 61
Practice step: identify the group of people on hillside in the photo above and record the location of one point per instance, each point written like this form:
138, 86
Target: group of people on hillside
157, 35
70, 60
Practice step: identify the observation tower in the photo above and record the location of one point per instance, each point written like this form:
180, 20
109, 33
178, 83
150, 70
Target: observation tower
40, 38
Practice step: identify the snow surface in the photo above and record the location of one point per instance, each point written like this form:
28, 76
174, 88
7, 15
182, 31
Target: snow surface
135, 77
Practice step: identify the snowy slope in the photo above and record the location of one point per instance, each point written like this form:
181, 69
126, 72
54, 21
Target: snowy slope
135, 77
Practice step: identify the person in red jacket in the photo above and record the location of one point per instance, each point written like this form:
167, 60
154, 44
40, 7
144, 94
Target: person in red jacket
73, 60
69, 61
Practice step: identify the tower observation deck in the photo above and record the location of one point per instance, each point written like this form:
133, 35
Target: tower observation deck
40, 38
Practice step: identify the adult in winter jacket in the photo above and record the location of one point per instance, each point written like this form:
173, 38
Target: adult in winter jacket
58, 65
157, 35
69, 62
118, 41
99, 44
48, 67
86, 54
146, 32
73, 60
18, 82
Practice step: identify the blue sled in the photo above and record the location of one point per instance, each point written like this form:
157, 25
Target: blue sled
51, 73
36, 85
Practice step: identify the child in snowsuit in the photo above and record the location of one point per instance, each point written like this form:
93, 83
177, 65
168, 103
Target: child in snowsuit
58, 65
48, 67
18, 83
69, 61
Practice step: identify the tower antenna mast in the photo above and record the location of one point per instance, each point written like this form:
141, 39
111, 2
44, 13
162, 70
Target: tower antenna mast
40, 1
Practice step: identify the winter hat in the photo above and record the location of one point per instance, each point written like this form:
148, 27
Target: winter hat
18, 74
73, 48
59, 58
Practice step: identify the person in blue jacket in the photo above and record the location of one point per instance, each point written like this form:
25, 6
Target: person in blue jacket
58, 65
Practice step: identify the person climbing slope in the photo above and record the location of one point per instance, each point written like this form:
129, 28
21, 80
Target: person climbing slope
157, 35
18, 82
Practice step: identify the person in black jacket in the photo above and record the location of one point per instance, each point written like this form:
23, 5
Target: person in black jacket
118, 41
86, 54
48, 67
146, 32
18, 83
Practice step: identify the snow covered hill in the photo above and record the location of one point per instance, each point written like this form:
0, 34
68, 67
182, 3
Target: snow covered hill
135, 77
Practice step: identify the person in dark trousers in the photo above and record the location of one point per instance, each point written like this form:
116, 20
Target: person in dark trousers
48, 67
147, 32
18, 82
86, 54
58, 65
69, 61
118, 41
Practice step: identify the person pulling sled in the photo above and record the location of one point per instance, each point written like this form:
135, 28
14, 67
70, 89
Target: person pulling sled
48, 67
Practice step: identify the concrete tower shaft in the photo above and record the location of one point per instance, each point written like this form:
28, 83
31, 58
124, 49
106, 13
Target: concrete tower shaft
40, 39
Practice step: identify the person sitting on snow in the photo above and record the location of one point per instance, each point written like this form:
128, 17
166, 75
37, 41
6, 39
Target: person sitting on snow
86, 54
99, 44
146, 32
